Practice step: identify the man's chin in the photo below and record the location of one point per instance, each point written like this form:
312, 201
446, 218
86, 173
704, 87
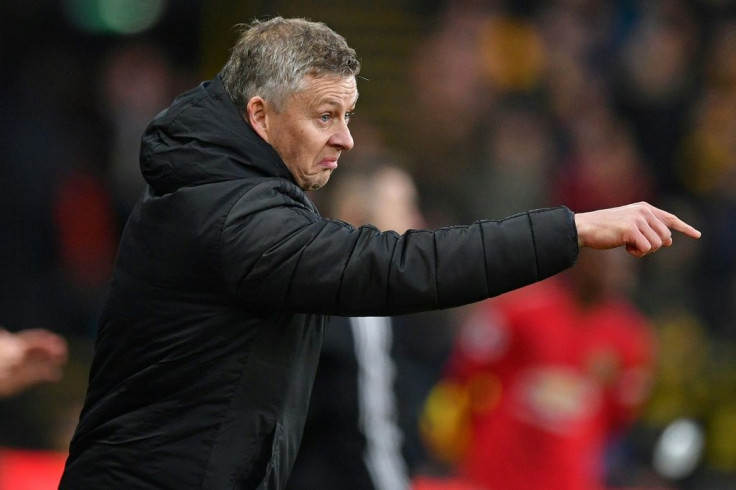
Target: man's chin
317, 183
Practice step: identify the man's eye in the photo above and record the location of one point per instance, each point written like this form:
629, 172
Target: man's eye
325, 118
348, 116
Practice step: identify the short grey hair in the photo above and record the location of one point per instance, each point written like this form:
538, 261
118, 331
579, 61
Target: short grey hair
271, 59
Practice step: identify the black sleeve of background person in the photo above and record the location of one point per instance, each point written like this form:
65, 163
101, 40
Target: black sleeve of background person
421, 347
332, 451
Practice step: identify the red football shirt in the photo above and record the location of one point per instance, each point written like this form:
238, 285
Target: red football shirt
550, 382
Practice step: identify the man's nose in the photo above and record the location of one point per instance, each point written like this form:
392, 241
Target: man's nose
342, 139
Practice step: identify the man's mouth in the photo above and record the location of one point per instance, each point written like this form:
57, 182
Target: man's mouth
329, 163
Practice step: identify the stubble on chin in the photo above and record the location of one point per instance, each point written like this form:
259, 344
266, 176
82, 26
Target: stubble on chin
315, 183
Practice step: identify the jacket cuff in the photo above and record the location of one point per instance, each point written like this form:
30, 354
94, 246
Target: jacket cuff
555, 240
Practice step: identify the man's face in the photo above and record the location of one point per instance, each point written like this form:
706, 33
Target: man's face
312, 131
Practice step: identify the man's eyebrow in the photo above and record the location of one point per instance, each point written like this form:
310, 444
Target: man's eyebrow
331, 102
338, 103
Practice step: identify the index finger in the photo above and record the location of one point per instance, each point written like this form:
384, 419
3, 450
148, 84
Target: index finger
677, 224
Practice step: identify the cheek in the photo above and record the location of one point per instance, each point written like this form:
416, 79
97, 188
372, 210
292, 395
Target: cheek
300, 148
308, 148
288, 146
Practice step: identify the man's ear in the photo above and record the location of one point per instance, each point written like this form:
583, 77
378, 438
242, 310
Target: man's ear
255, 113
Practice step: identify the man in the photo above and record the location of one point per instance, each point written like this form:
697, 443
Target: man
354, 440
210, 336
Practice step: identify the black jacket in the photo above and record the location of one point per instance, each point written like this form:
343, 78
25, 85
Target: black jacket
209, 340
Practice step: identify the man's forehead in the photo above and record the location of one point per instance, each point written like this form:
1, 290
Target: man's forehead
330, 89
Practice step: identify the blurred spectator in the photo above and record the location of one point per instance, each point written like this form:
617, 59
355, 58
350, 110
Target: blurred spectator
514, 168
655, 79
354, 439
708, 172
602, 167
38, 141
543, 379
681, 385
86, 240
137, 82
450, 101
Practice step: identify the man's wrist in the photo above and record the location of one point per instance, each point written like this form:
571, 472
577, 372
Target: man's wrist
580, 228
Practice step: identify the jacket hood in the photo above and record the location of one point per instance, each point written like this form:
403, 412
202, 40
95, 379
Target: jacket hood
201, 139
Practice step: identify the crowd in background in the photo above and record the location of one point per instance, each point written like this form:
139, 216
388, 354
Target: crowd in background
515, 105
595, 104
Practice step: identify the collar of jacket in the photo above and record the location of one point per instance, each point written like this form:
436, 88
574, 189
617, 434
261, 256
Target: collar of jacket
202, 138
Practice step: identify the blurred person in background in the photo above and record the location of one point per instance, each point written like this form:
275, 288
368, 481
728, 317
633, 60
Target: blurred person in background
652, 81
137, 81
446, 73
352, 438
516, 163
707, 169
543, 379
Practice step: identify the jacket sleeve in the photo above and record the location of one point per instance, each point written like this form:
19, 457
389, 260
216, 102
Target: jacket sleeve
276, 253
